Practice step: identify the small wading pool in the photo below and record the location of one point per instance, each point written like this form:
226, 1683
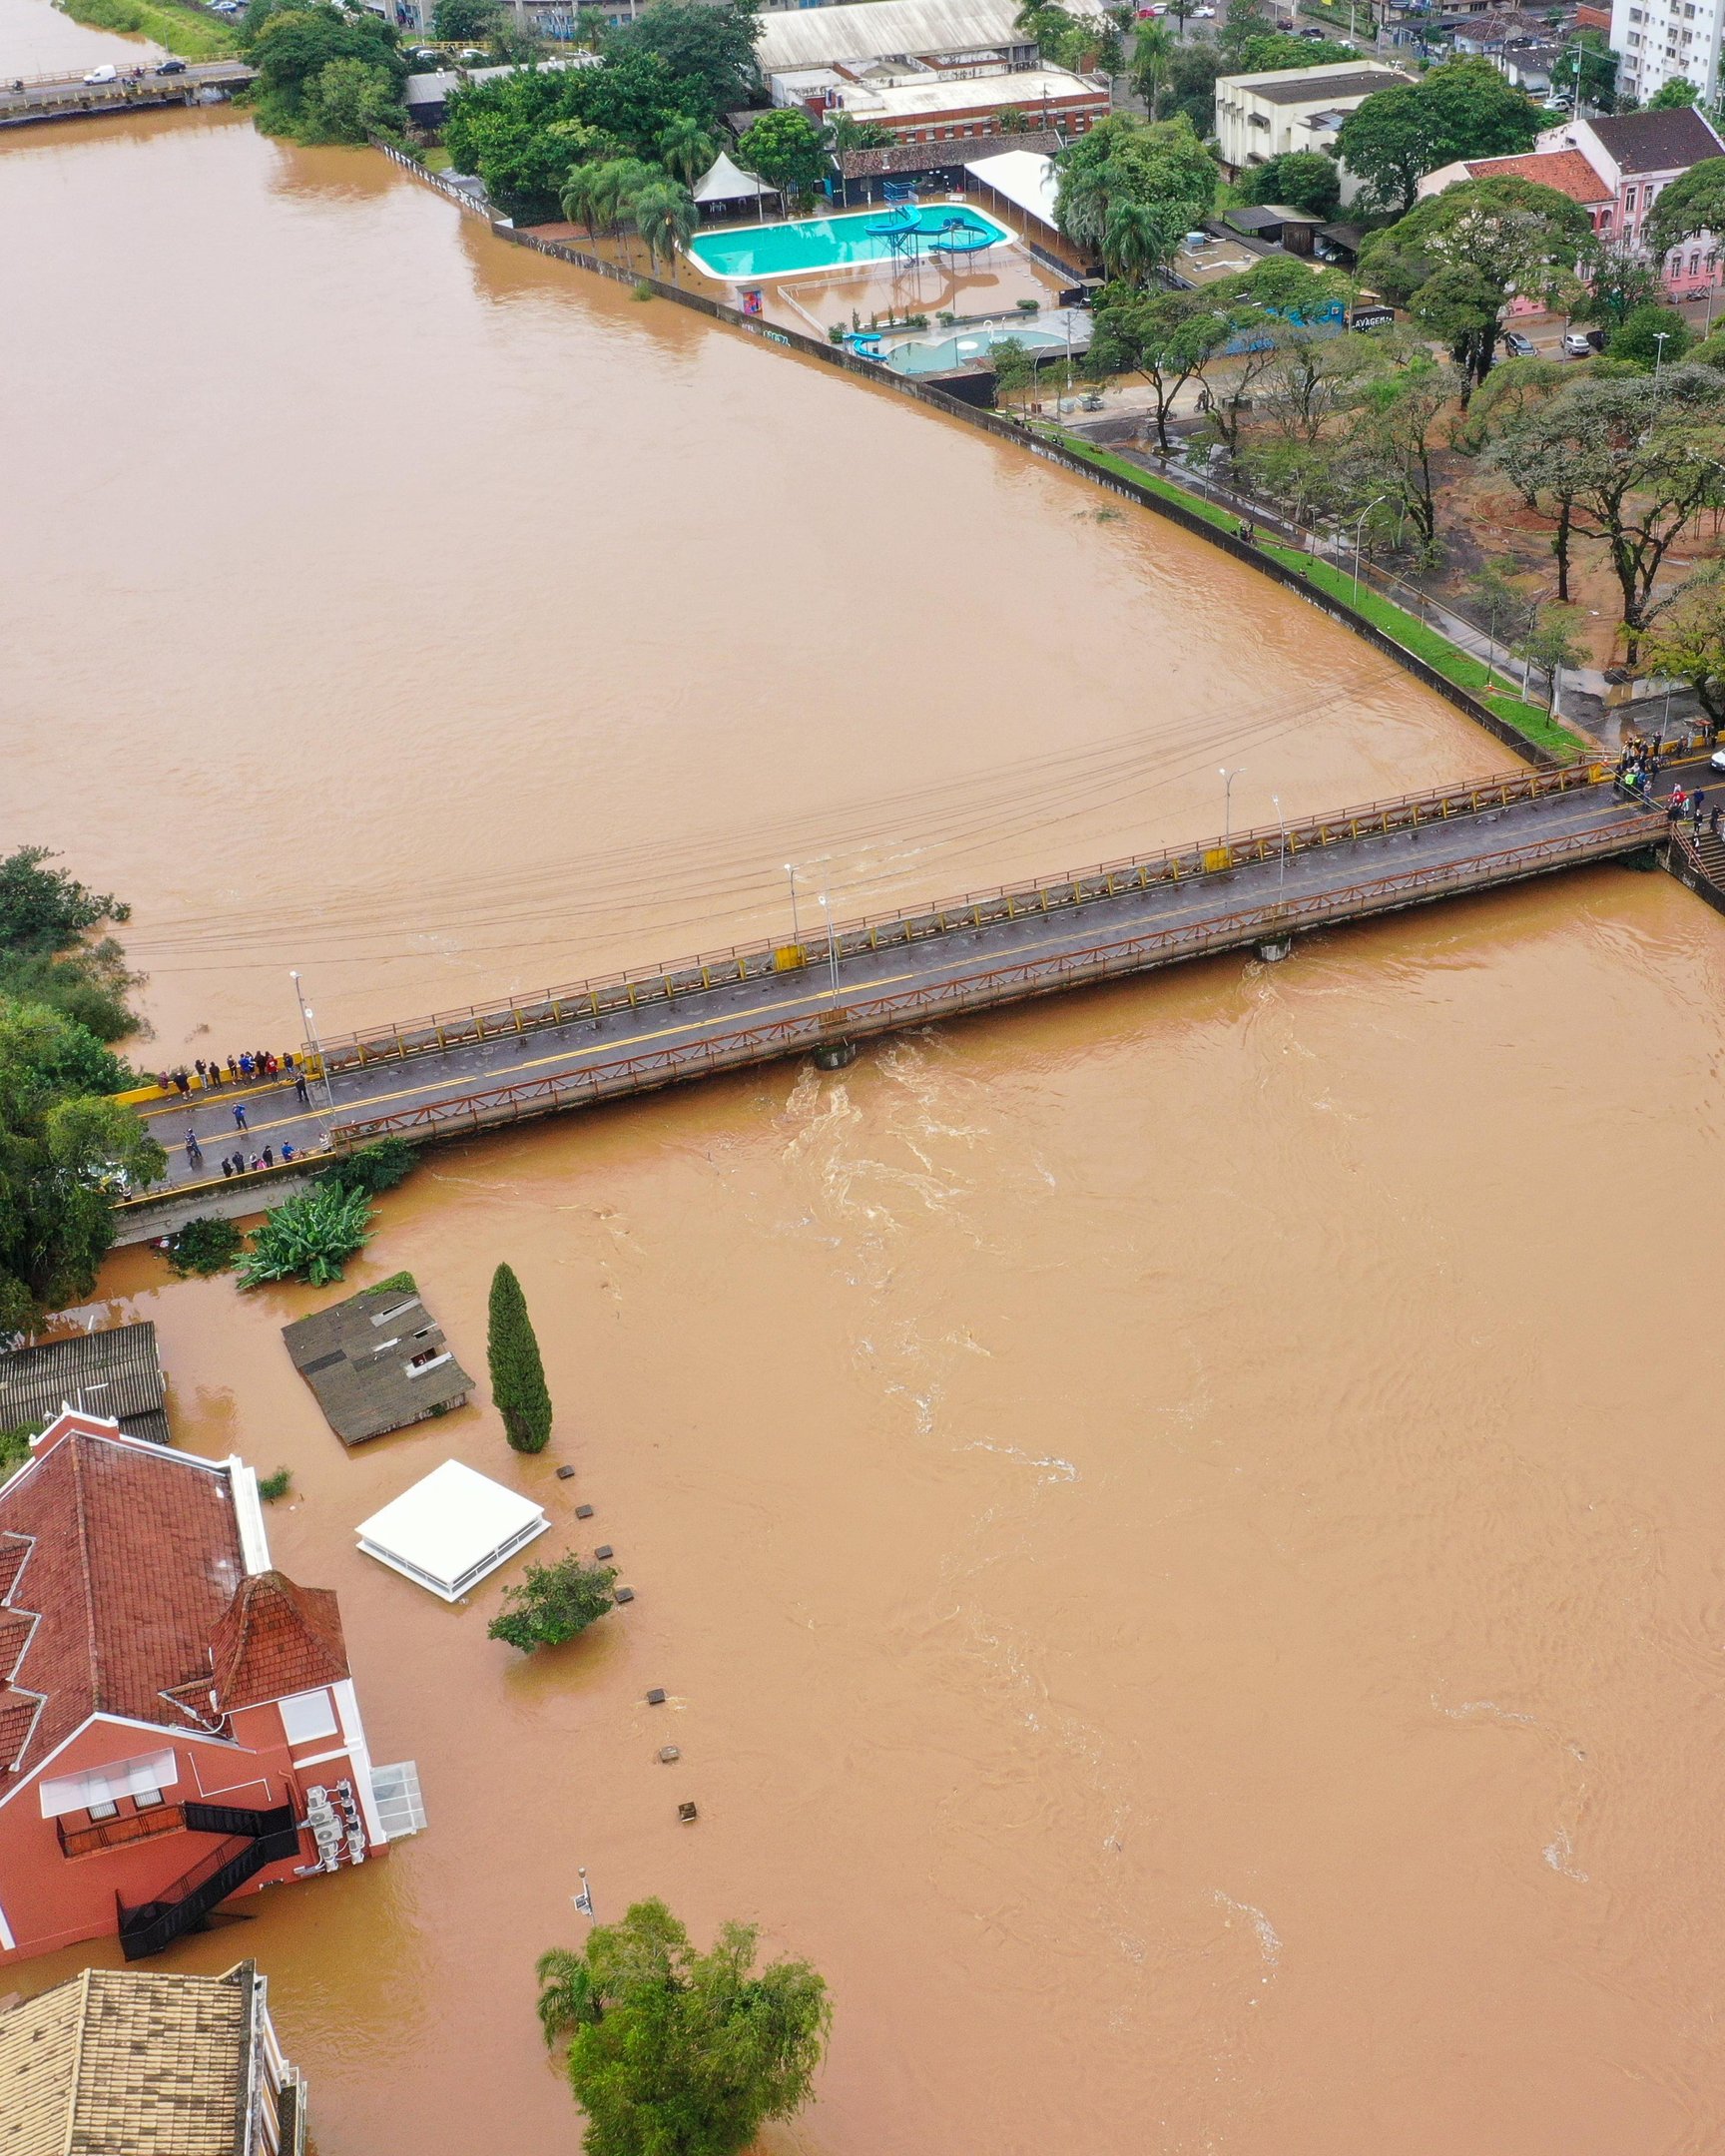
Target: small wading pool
974, 344
747, 251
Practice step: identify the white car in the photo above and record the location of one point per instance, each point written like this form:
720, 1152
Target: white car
1716, 760
103, 75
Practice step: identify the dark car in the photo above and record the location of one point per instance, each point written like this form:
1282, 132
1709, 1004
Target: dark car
1518, 345
1310, 32
171, 67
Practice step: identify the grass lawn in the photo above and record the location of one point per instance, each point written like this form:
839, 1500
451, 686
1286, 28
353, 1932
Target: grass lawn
437, 159
1466, 672
185, 31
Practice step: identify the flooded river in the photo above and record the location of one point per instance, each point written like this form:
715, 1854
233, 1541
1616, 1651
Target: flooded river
1186, 1582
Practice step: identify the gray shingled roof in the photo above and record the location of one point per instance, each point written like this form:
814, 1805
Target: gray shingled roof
1294, 86
1658, 141
116, 1375
376, 1362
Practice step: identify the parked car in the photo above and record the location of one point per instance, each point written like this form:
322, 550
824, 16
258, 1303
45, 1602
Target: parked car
1582, 343
1312, 31
171, 67
1518, 345
1203, 14
1716, 762
103, 75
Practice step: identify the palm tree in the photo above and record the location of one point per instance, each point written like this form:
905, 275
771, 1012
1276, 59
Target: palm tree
1152, 52
578, 197
686, 149
665, 219
1134, 241
568, 1997
616, 184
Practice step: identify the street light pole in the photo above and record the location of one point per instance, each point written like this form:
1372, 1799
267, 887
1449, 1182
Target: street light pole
832, 947
1359, 533
1228, 778
1659, 336
795, 930
308, 1018
1281, 858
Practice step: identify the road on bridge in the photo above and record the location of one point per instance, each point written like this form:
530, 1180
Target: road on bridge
771, 1013
54, 96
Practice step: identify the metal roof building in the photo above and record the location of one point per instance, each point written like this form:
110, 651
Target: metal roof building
116, 1375
376, 1362
878, 29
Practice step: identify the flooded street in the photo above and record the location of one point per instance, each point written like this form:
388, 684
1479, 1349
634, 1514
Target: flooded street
1186, 1582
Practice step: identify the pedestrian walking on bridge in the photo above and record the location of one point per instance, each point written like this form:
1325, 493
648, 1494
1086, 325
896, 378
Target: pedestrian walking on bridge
299, 1092
240, 1122
193, 1151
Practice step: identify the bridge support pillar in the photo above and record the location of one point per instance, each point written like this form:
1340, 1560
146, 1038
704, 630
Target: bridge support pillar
1274, 948
834, 1055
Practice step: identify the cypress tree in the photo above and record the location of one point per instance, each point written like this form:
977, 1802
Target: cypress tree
517, 1374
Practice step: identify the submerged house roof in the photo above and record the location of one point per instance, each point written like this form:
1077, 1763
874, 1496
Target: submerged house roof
120, 2063
116, 1375
376, 1362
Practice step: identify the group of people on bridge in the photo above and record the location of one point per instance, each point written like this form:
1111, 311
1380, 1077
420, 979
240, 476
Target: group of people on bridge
258, 1067
1637, 768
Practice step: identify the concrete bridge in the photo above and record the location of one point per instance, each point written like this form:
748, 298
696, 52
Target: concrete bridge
28, 98
462, 1071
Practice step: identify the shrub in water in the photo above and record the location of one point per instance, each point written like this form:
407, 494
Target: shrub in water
309, 1238
517, 1372
275, 1485
377, 1167
204, 1246
553, 1603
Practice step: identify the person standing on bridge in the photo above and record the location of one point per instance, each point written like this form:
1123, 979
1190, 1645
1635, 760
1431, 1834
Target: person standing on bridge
299, 1092
1695, 801
240, 1122
193, 1151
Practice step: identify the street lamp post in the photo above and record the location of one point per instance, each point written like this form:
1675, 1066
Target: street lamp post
1228, 778
795, 930
1359, 533
1659, 336
832, 947
584, 1899
308, 1018
1282, 858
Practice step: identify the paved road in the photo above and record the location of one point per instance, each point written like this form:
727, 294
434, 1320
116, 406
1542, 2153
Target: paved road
70, 97
959, 960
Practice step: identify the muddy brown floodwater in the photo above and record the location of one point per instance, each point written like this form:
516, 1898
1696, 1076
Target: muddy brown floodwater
1180, 1528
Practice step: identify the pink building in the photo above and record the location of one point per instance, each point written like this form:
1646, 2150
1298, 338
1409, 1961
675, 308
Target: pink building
178, 1721
1616, 169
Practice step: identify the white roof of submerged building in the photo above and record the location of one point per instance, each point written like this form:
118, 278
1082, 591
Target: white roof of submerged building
871, 29
450, 1529
1025, 179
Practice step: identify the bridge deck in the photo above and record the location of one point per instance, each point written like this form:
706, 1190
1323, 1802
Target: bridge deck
602, 1042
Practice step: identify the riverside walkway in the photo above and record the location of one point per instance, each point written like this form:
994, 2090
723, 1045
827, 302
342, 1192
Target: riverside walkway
468, 1070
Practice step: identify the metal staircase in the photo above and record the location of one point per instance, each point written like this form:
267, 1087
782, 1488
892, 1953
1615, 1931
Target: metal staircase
250, 1840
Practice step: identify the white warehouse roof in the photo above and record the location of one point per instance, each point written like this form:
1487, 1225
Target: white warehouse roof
869, 29
450, 1529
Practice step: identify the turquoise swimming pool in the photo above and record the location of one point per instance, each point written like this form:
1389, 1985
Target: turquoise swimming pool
748, 251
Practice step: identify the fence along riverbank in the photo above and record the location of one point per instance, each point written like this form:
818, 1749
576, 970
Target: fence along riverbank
1190, 519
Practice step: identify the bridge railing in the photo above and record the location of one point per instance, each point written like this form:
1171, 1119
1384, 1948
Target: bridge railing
631, 991
611, 1077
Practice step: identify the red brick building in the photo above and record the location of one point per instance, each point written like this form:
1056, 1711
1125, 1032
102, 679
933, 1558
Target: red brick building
177, 1722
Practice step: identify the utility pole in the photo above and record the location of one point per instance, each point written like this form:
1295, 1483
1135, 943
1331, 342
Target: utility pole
308, 1018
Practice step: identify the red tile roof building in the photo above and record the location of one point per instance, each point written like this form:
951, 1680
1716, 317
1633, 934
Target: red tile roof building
176, 1719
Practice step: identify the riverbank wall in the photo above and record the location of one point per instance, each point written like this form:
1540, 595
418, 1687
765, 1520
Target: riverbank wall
1164, 501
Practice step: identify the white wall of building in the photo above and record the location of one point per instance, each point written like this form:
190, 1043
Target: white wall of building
1659, 38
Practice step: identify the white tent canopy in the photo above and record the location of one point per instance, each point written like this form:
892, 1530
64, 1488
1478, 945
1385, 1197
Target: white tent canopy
451, 1528
729, 183
1022, 178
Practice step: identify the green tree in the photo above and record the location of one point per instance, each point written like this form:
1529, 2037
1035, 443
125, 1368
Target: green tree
1687, 642
1620, 278
1673, 95
1190, 94
1637, 337
1692, 204
553, 1603
1152, 57
1532, 433
1315, 377
671, 2053
349, 101
713, 46
665, 219
843, 134
1459, 259
1013, 367
1301, 179
1168, 337
785, 148
464, 22
1272, 51
1587, 68
1160, 166
291, 46
65, 1156
686, 149
517, 1372
1552, 644
1244, 21
1463, 109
